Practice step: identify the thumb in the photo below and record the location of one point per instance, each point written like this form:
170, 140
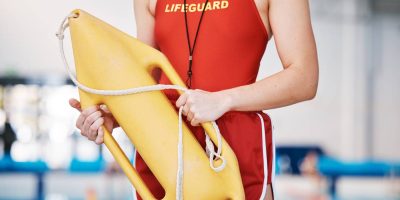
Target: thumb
104, 108
75, 104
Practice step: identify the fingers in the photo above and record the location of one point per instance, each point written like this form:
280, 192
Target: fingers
190, 115
90, 121
84, 114
75, 104
182, 99
186, 109
94, 128
185, 101
100, 136
194, 122
90, 130
193, 116
104, 108
83, 117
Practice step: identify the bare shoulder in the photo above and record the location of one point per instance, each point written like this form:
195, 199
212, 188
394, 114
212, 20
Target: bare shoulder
152, 6
145, 21
149, 5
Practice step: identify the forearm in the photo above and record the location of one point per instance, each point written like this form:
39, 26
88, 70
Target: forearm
294, 39
284, 88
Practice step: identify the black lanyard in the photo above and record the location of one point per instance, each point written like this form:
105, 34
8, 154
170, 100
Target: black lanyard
191, 50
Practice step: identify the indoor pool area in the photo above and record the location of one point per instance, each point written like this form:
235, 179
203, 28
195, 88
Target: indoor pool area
340, 143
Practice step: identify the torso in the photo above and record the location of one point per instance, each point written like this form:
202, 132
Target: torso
231, 42
230, 46
262, 7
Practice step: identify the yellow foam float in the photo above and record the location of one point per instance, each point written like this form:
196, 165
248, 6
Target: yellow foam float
107, 59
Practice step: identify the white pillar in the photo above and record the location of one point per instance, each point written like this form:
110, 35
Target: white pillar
353, 136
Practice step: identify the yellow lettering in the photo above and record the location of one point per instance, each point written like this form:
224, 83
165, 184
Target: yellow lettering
183, 7
197, 7
208, 6
192, 8
200, 7
216, 5
167, 8
224, 4
177, 7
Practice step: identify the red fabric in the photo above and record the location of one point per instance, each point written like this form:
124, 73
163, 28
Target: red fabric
228, 52
229, 48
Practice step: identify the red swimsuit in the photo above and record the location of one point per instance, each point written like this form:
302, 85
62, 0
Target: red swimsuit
231, 42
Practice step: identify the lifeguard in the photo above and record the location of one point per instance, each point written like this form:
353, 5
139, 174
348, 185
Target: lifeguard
196, 7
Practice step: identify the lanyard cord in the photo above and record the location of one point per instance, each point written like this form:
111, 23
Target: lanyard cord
191, 50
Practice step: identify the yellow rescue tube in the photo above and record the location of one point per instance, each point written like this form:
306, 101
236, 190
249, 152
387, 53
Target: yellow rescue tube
108, 59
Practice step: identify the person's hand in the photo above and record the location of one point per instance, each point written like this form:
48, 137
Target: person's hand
91, 119
201, 106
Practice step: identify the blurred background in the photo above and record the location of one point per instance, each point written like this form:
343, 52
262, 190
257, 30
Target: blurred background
345, 144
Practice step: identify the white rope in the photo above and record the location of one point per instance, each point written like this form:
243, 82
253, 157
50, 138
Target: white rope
212, 154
